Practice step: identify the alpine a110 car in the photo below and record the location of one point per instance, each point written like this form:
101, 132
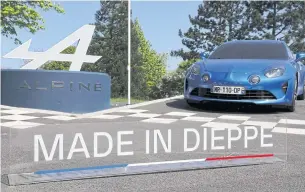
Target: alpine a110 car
261, 72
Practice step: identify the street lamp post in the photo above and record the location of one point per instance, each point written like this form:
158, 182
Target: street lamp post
129, 48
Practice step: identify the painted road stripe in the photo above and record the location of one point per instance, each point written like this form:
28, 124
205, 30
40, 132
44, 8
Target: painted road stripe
6, 107
200, 119
295, 131
145, 115
132, 110
44, 176
20, 110
17, 117
159, 120
184, 114
106, 116
60, 118
117, 109
220, 125
234, 117
260, 123
20, 124
17, 111
292, 121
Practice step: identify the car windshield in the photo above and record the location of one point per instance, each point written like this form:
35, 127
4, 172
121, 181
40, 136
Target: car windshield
250, 51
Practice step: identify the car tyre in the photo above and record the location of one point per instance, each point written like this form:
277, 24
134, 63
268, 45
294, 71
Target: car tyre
302, 97
191, 104
291, 108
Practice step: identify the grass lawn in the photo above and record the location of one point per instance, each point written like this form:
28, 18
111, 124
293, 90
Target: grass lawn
125, 100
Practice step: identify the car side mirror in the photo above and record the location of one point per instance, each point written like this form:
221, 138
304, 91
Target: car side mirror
204, 55
300, 56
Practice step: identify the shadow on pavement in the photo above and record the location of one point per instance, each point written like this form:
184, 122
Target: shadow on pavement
222, 107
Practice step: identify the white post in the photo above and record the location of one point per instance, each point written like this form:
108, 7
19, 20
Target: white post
129, 48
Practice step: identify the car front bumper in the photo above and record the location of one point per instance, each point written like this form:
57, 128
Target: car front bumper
267, 92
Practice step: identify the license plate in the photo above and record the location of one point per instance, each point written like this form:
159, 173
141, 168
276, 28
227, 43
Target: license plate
228, 90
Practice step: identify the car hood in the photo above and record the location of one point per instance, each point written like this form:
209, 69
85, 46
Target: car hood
241, 65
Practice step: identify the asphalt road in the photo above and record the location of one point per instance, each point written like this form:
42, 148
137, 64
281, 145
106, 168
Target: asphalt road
175, 115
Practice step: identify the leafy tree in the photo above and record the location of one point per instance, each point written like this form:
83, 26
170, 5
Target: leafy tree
60, 65
22, 14
110, 40
184, 65
270, 19
283, 20
153, 65
215, 23
171, 85
218, 22
296, 34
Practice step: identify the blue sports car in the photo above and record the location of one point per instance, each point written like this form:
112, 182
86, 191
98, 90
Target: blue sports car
261, 72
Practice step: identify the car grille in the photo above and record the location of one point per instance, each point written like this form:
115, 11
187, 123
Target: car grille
250, 94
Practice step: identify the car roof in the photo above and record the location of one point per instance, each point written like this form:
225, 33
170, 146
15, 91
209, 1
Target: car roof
255, 42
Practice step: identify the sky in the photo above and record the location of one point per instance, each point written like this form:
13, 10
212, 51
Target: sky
160, 21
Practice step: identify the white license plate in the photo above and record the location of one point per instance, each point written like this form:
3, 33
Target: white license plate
228, 90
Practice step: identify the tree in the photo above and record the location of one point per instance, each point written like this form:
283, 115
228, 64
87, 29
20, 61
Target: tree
22, 14
215, 23
184, 65
218, 22
296, 34
60, 65
153, 65
283, 20
110, 40
270, 19
171, 85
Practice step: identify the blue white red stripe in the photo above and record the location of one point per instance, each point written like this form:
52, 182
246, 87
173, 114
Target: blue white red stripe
138, 168
155, 163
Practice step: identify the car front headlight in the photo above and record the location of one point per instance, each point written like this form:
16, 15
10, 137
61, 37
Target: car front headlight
205, 77
195, 70
274, 72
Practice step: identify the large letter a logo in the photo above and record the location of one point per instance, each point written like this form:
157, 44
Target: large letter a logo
83, 34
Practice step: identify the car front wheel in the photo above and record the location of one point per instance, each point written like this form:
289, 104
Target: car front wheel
302, 96
191, 104
291, 108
